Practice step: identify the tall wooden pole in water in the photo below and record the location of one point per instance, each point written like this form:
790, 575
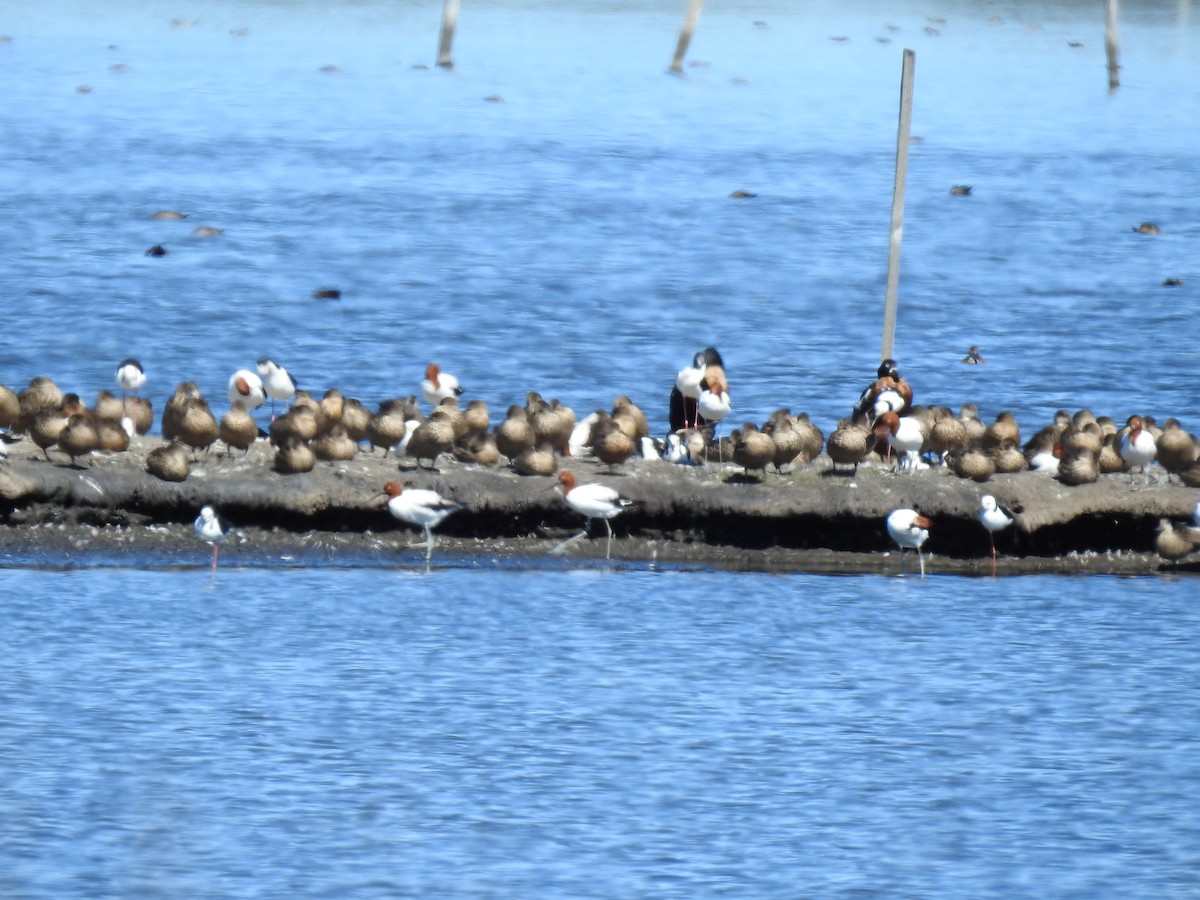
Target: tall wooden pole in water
449, 20
685, 34
1110, 43
893, 273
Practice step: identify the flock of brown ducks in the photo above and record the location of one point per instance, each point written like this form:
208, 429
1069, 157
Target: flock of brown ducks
1076, 448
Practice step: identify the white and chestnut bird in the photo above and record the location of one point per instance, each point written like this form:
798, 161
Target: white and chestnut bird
211, 529
248, 387
130, 376
276, 381
909, 529
994, 518
438, 385
1138, 447
593, 501
905, 436
419, 506
684, 411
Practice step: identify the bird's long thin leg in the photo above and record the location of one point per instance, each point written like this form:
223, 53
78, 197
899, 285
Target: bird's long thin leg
608, 546
921, 556
428, 544
993, 537
568, 542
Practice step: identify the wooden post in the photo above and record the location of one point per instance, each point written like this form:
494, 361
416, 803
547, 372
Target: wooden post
685, 34
893, 273
1110, 43
449, 20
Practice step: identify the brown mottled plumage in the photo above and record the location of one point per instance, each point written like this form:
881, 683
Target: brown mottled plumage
514, 435
170, 462
432, 437
752, 449
238, 428
78, 437
972, 463
536, 460
10, 407
294, 456
848, 444
335, 444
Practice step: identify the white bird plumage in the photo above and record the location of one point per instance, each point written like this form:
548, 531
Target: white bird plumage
246, 386
593, 501
905, 436
993, 517
1138, 447
909, 529
130, 375
438, 385
419, 506
209, 528
278, 384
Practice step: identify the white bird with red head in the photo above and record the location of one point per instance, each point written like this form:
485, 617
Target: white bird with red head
909, 529
594, 501
438, 385
419, 506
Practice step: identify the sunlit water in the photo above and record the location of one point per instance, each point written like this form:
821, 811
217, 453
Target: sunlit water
579, 238
599, 732
596, 733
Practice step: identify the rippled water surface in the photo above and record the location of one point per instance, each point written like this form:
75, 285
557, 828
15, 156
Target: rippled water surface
578, 238
596, 733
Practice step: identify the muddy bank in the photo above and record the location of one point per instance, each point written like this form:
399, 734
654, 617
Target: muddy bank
807, 519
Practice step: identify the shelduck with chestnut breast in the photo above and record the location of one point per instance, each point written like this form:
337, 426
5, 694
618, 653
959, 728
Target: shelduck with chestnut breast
904, 435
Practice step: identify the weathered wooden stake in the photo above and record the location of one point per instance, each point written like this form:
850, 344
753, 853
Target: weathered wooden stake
1110, 43
685, 34
893, 273
449, 20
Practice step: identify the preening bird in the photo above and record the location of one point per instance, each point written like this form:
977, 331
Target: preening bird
909, 529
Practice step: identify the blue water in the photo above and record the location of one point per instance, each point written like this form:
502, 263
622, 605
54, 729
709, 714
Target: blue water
578, 238
596, 734
552, 731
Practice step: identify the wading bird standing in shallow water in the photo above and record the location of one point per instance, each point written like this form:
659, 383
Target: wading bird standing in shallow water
594, 501
993, 517
419, 506
909, 529
212, 530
